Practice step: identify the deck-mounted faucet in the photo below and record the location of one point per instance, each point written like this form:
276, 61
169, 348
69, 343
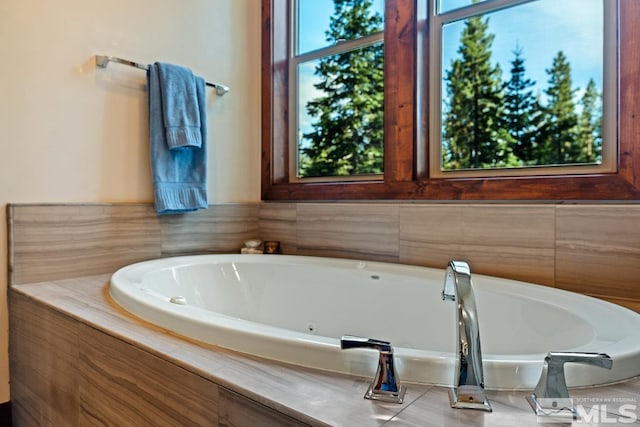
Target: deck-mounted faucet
385, 385
468, 389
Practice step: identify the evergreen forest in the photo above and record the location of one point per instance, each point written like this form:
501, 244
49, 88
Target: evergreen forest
487, 121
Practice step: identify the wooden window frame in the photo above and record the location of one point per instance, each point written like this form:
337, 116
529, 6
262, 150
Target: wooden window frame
406, 175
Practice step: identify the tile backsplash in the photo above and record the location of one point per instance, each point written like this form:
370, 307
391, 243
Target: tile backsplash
59, 241
587, 248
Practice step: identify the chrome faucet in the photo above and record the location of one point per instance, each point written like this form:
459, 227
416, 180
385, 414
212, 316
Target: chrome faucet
468, 389
385, 385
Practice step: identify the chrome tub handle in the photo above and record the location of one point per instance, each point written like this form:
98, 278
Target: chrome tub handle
385, 385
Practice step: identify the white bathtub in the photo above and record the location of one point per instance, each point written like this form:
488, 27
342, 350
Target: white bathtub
295, 309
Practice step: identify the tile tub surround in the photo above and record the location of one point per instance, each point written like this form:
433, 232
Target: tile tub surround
56, 241
54, 247
586, 248
82, 360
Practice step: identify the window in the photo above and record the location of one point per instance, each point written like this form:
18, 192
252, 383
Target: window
508, 100
336, 88
414, 159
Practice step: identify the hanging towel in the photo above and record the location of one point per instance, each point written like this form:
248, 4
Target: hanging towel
179, 106
176, 101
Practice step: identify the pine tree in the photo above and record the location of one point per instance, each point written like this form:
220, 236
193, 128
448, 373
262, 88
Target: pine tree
347, 135
522, 112
590, 125
559, 142
473, 106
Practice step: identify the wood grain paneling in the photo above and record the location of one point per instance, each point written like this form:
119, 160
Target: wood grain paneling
514, 241
399, 96
348, 230
43, 360
278, 222
598, 250
50, 242
123, 385
238, 411
218, 229
293, 392
68, 373
125, 382
590, 248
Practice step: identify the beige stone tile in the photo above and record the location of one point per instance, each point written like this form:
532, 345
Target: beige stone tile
49, 242
218, 229
431, 235
611, 399
434, 409
43, 360
342, 393
294, 391
598, 250
26, 408
509, 409
348, 230
311, 396
513, 241
148, 390
278, 222
237, 410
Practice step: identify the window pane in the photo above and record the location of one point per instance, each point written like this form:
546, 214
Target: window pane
522, 87
316, 29
340, 114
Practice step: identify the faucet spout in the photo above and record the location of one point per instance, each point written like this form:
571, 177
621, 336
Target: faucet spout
468, 390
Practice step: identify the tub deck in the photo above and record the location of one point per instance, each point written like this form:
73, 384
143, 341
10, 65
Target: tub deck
233, 388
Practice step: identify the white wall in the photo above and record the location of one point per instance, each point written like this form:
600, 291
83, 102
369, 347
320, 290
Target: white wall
70, 132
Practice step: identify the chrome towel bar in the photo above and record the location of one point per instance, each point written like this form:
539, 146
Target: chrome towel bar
103, 60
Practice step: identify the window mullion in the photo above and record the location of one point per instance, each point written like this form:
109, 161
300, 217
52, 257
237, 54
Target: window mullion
400, 105
338, 48
475, 9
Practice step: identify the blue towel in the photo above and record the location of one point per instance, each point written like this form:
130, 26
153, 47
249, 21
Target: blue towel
179, 171
179, 106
